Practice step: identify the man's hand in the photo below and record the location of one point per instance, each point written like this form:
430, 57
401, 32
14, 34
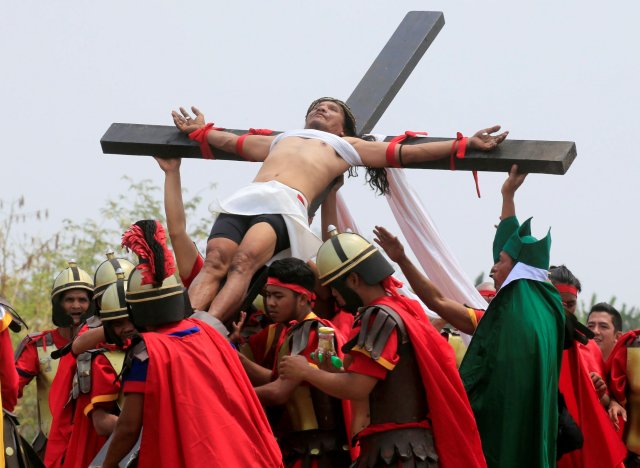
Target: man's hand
293, 367
513, 182
599, 384
168, 164
615, 411
483, 140
234, 337
389, 243
185, 122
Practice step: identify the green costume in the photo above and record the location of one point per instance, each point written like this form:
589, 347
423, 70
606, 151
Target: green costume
512, 365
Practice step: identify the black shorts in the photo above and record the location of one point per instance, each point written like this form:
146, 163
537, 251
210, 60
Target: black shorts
234, 227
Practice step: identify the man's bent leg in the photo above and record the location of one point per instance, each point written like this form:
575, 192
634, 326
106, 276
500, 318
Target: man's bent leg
206, 284
256, 248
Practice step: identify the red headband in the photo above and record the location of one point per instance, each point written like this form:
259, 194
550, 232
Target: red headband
487, 292
271, 281
567, 288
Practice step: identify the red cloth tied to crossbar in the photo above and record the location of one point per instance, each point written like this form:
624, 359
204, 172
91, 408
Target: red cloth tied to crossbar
458, 150
391, 148
200, 136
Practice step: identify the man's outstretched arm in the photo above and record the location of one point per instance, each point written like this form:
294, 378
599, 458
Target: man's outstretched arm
373, 153
513, 182
254, 147
453, 312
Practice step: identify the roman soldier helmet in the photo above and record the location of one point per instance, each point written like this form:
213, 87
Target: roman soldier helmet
154, 295
16, 323
114, 306
70, 278
105, 274
345, 253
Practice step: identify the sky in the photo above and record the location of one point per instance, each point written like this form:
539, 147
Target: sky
543, 70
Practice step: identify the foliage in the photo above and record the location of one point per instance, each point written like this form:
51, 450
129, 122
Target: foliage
30, 263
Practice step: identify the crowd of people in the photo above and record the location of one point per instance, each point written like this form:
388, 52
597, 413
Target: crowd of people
281, 349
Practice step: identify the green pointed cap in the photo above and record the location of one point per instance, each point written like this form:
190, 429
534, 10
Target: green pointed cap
505, 230
524, 248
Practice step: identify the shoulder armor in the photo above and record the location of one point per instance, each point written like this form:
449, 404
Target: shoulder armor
373, 336
47, 337
299, 335
137, 351
83, 373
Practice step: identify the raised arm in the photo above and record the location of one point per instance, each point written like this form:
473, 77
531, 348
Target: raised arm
373, 153
184, 248
254, 147
453, 312
513, 182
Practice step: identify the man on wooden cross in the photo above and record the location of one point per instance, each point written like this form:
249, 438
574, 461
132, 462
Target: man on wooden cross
270, 215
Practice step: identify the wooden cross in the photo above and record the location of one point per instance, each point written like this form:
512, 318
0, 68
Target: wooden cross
368, 102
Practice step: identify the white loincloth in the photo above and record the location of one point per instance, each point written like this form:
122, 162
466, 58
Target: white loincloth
275, 198
343, 148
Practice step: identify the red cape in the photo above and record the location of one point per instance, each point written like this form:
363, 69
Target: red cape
616, 371
602, 447
199, 406
454, 428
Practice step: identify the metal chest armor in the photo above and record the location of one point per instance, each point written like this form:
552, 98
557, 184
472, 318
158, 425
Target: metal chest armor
400, 397
82, 377
48, 370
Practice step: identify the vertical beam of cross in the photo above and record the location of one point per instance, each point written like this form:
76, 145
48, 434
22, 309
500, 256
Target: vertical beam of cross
393, 66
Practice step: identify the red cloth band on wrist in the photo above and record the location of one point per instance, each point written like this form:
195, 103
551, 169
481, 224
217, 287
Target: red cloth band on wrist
392, 161
200, 136
567, 288
252, 131
458, 150
271, 281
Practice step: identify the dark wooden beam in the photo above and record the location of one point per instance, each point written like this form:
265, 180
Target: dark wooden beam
546, 157
392, 67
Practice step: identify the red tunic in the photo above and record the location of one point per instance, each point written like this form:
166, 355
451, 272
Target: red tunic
616, 371
85, 443
199, 406
592, 357
456, 436
602, 447
8, 374
27, 363
264, 344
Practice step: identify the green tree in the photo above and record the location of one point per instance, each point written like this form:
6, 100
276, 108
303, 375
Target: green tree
29, 263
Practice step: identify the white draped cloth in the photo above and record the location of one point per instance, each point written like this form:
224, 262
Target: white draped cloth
434, 256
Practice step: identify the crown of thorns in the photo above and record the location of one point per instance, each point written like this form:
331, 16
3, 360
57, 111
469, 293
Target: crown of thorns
349, 118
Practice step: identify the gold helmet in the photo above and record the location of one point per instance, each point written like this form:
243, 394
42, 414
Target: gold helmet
154, 295
106, 273
345, 253
114, 304
70, 278
152, 305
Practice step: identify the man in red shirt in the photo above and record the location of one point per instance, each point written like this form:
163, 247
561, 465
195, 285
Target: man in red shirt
184, 385
393, 350
70, 304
